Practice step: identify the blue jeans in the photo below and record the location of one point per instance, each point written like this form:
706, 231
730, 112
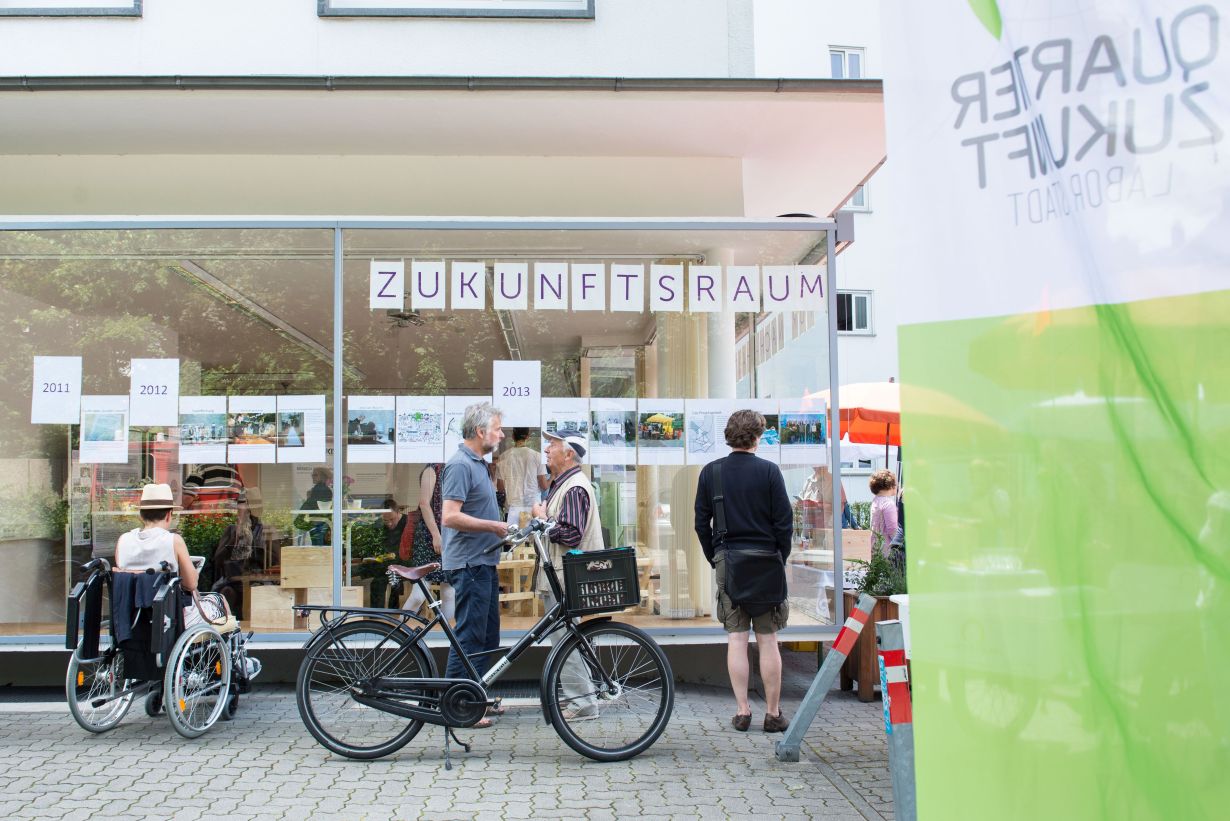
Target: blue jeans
478, 616
847, 518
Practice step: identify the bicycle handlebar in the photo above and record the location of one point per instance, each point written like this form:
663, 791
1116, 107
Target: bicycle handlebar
518, 536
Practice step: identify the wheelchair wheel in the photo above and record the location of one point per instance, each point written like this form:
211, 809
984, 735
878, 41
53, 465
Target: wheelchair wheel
94, 687
153, 703
197, 683
232, 706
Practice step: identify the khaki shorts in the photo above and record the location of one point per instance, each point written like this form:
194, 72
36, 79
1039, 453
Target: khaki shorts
735, 620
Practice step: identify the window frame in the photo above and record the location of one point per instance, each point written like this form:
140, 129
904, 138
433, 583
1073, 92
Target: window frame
845, 52
855, 293
427, 8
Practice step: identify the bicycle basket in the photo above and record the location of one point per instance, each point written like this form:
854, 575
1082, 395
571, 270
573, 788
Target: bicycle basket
601, 581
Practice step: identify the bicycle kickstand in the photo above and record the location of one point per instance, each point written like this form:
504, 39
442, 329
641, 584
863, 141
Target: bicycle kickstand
448, 759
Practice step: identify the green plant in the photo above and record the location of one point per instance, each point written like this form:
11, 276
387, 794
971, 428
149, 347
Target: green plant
202, 532
862, 514
881, 576
367, 540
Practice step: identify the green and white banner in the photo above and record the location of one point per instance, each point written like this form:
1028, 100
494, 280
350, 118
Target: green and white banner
1060, 193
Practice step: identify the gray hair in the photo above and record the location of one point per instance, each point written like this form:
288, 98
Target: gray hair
477, 416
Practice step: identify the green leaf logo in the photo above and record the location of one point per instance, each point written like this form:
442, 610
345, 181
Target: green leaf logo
987, 12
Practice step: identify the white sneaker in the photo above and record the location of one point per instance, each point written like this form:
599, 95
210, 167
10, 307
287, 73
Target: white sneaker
252, 667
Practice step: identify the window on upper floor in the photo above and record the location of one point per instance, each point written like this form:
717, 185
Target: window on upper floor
859, 200
854, 313
546, 9
847, 63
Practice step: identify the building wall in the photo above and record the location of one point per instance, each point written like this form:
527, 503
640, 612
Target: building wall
626, 38
792, 39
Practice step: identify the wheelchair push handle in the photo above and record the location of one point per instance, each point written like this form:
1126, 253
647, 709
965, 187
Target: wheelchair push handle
97, 564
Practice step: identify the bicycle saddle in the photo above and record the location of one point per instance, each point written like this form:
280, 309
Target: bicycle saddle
413, 573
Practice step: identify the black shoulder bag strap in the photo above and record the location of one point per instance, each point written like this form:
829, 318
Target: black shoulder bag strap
719, 507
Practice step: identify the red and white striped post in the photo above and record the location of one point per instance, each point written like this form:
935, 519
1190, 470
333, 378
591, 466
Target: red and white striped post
898, 716
788, 748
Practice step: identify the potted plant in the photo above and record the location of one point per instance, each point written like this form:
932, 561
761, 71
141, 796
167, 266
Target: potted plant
881, 577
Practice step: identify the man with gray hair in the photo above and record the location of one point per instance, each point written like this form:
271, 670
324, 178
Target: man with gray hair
473, 532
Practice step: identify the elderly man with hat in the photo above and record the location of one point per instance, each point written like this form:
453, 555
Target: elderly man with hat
148, 546
571, 503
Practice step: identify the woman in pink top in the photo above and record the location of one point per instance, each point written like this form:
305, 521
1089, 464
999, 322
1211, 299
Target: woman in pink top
883, 508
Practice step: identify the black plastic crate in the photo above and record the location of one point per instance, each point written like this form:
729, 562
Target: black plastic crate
601, 581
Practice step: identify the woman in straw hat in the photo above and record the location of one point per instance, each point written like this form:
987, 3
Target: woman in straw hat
153, 543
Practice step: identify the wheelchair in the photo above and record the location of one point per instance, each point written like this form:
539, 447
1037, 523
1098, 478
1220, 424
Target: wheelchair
143, 648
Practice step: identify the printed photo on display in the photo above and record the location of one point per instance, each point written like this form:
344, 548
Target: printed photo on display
661, 430
370, 427
290, 429
202, 428
253, 428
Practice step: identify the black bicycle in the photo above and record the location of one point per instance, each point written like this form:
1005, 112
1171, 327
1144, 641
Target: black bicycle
607, 687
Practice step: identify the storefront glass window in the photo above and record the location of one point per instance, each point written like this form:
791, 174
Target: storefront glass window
242, 314
660, 360
245, 317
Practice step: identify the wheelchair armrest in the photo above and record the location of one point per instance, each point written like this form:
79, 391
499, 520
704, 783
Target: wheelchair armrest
83, 612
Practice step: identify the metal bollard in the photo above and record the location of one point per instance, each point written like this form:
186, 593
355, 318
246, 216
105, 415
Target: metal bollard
788, 748
898, 717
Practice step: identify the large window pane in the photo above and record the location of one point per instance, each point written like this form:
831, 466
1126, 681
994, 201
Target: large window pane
245, 313
640, 356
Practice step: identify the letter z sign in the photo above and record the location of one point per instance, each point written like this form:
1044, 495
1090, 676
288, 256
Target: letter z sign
388, 285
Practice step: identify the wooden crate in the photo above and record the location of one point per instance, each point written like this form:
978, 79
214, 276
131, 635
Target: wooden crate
856, 544
351, 596
307, 567
271, 608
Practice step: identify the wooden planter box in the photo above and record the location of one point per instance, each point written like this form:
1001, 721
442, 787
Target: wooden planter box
862, 665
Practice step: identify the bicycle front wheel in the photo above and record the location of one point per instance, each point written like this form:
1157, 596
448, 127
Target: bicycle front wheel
609, 693
337, 666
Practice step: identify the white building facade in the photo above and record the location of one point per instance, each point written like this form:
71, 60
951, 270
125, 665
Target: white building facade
211, 183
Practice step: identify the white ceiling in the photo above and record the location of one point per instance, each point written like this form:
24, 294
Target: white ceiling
513, 152
445, 122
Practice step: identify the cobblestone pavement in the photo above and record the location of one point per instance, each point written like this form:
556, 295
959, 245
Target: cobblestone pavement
265, 765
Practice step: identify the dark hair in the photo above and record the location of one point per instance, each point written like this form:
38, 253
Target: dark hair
743, 429
390, 503
153, 514
520, 433
882, 480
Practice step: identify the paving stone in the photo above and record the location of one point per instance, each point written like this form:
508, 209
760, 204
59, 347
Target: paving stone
265, 765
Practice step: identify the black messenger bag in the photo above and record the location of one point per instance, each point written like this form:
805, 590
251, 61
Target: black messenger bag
755, 575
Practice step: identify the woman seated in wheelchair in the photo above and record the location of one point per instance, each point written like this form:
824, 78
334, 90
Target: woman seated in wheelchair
147, 547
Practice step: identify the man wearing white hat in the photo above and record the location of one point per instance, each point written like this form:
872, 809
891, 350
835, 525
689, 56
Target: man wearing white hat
572, 504
148, 546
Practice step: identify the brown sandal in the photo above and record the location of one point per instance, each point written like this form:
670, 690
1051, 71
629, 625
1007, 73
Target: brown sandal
741, 722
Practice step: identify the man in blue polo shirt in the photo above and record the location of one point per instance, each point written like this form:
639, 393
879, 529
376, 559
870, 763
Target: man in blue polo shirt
473, 532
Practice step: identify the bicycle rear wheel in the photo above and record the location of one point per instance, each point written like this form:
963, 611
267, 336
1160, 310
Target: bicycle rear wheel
334, 668
610, 694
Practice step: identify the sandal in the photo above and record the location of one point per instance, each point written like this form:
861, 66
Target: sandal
482, 724
496, 709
